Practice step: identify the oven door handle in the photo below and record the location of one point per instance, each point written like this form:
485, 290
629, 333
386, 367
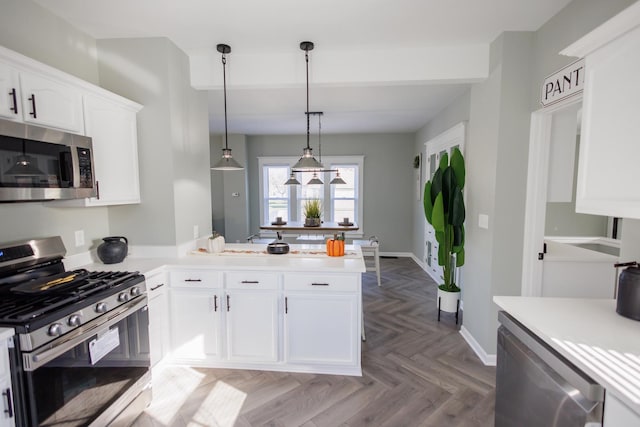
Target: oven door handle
34, 360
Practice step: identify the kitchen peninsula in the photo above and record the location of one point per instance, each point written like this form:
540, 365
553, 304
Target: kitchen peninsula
244, 308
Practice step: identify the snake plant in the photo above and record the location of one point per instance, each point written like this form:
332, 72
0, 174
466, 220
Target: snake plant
445, 211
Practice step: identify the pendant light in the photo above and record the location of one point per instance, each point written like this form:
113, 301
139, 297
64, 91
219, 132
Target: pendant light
337, 180
307, 161
292, 180
227, 162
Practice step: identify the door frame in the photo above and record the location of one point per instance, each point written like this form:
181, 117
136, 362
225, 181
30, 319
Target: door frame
536, 200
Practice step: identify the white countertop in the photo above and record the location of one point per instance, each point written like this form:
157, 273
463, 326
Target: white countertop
248, 257
588, 332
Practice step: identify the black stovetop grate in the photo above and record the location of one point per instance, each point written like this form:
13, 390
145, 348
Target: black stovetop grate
18, 308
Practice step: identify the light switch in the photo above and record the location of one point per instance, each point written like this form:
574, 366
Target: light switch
483, 221
235, 194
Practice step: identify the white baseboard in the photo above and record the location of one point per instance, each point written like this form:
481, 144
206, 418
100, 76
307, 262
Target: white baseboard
398, 254
487, 359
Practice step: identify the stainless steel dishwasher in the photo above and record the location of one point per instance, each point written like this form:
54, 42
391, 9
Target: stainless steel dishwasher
536, 386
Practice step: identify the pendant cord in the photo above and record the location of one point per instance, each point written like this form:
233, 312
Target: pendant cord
306, 58
320, 138
224, 83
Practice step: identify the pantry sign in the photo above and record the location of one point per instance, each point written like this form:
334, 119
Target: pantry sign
562, 84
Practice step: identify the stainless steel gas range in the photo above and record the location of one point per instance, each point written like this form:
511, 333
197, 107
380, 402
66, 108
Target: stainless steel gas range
81, 351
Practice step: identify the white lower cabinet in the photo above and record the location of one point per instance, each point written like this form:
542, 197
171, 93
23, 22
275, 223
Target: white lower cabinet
295, 322
252, 325
7, 408
195, 324
315, 331
157, 289
618, 414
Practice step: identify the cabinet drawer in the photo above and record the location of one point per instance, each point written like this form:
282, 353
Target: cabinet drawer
156, 284
252, 280
196, 279
321, 282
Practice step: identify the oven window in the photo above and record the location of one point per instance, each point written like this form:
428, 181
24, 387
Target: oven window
71, 391
28, 163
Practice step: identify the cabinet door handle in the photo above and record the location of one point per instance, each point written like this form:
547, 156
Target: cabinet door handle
228, 303
33, 106
193, 280
98, 190
319, 284
15, 101
286, 305
255, 282
215, 303
157, 287
9, 410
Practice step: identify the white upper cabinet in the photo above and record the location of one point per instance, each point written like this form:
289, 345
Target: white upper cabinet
113, 129
608, 172
35, 93
50, 103
10, 107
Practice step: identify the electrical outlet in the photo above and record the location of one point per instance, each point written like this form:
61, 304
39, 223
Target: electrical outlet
196, 231
79, 238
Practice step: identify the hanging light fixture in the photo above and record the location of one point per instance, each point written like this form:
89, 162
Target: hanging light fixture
227, 162
337, 180
292, 180
307, 161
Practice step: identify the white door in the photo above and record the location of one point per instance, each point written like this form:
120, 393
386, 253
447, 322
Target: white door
49, 103
10, 107
195, 324
113, 130
315, 329
252, 325
434, 150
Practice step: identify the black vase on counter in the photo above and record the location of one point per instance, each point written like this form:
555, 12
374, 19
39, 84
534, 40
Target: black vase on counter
628, 299
113, 249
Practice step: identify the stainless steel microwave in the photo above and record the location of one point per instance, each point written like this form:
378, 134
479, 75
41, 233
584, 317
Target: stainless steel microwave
44, 164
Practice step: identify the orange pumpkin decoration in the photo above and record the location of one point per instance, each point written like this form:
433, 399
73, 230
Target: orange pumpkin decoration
335, 247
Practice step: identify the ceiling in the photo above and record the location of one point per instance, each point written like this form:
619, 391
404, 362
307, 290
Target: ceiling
364, 42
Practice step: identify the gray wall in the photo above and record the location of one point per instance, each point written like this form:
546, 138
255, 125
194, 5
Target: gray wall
496, 156
32, 31
388, 187
173, 141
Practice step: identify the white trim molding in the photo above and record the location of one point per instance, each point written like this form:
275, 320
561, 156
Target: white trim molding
486, 358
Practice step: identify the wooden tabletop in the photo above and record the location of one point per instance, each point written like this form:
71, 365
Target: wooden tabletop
299, 226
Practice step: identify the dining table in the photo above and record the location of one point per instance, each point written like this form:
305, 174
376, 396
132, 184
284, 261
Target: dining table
323, 228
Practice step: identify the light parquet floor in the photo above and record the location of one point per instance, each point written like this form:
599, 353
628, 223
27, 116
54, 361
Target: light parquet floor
416, 372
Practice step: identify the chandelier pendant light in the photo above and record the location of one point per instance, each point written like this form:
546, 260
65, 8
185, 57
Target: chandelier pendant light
307, 162
227, 162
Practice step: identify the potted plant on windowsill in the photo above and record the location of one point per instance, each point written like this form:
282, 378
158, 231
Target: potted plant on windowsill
445, 211
312, 212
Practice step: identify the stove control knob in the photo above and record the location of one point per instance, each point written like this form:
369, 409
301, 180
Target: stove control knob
74, 320
135, 291
123, 297
55, 330
101, 307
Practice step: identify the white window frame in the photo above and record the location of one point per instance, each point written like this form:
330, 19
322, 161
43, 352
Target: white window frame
332, 162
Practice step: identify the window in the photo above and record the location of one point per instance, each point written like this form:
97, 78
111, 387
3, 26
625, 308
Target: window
338, 201
275, 202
